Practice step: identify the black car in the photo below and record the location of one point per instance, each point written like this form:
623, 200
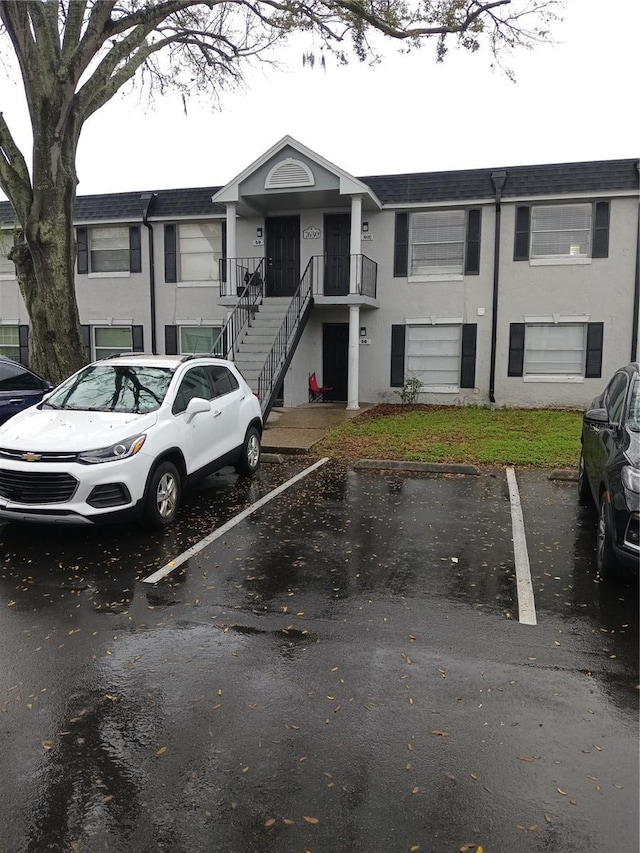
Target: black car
19, 388
609, 470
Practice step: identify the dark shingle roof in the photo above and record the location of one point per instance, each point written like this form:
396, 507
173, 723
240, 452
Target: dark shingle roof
596, 177
602, 176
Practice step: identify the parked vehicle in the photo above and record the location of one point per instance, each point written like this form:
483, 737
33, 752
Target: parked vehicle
609, 470
124, 436
19, 388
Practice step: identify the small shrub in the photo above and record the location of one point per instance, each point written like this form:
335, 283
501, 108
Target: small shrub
410, 390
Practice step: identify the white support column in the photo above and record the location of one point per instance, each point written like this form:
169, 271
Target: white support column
231, 247
353, 385
355, 246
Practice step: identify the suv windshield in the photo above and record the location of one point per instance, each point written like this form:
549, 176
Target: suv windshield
113, 388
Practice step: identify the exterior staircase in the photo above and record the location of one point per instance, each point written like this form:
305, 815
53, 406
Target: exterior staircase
255, 345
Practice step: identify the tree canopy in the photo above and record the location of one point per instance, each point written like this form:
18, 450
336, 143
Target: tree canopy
73, 56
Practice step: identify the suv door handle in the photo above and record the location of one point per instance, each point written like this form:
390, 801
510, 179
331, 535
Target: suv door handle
217, 414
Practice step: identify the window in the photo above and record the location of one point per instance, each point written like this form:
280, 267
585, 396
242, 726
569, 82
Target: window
561, 231
13, 377
194, 384
555, 350
7, 269
10, 342
615, 397
112, 340
437, 242
433, 354
199, 340
222, 380
199, 248
109, 249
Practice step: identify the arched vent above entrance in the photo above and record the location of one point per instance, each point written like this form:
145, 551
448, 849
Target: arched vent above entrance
289, 173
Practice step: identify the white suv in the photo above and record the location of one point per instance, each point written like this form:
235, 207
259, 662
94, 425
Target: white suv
124, 436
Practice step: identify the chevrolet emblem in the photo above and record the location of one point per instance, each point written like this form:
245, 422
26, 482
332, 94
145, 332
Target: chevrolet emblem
31, 457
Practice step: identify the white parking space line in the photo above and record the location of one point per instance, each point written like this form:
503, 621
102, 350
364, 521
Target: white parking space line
526, 601
203, 543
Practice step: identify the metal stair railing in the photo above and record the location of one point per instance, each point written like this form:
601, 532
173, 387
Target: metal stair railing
284, 346
250, 294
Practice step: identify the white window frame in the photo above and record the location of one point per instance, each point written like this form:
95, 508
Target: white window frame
9, 348
92, 232
562, 326
410, 367
434, 221
215, 251
101, 351
186, 327
563, 226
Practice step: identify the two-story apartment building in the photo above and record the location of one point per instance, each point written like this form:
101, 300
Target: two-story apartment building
516, 286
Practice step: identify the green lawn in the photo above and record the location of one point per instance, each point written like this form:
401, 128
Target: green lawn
483, 436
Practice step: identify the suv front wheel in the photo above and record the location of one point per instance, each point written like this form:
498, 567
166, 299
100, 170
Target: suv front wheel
163, 495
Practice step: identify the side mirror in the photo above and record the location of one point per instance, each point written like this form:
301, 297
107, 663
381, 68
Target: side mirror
195, 406
597, 416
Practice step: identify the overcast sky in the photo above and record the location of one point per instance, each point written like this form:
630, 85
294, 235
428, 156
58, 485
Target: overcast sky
577, 100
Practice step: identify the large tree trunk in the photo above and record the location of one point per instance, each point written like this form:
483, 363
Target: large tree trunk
45, 253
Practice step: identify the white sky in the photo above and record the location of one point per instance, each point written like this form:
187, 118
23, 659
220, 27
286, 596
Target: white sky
577, 100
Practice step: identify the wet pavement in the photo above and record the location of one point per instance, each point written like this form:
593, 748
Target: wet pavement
341, 671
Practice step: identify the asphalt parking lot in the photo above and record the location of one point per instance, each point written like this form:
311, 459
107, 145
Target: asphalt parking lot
345, 665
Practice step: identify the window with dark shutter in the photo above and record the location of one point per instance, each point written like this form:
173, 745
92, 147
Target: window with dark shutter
516, 349
472, 248
170, 340
82, 243
595, 336
521, 247
135, 249
468, 360
401, 246
601, 230
397, 356
170, 248
137, 338
23, 338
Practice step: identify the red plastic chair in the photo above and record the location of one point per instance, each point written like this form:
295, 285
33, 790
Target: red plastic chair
316, 391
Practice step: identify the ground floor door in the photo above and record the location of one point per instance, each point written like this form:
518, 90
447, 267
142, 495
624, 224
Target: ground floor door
283, 255
335, 360
337, 246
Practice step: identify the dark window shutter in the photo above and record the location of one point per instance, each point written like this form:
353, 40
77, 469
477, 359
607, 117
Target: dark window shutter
595, 335
472, 253
600, 248
23, 340
83, 250
468, 365
137, 337
521, 248
171, 340
401, 247
85, 332
135, 253
397, 356
223, 266
516, 349
170, 248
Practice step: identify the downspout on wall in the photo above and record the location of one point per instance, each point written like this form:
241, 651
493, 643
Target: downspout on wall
636, 290
498, 179
146, 200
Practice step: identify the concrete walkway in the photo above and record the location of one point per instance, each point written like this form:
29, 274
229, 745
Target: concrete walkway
297, 430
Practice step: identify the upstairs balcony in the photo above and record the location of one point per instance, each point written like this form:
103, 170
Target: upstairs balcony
331, 277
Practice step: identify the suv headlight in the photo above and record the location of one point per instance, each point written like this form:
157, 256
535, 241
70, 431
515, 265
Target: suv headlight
631, 478
120, 450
